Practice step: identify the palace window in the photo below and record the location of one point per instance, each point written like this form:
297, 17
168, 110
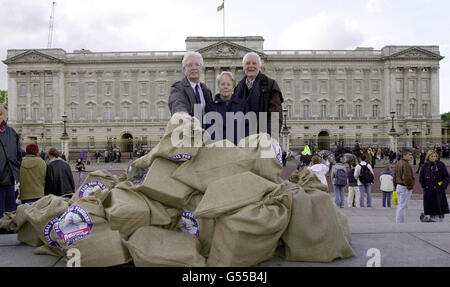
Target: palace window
323, 111
358, 87
306, 111
74, 90
108, 89
425, 109
74, 114
23, 112
23, 90
91, 113
306, 86
340, 111
108, 113
91, 89
323, 87
399, 110
143, 113
49, 113
412, 109
49, 90
425, 86
358, 111
36, 114
375, 111
412, 86
36, 90
126, 88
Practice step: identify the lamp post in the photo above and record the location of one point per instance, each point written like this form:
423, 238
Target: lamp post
285, 133
43, 142
393, 135
65, 139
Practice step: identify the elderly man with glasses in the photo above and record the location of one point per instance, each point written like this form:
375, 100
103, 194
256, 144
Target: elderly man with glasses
188, 92
261, 92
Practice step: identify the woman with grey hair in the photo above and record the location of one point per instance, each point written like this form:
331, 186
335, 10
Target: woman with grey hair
226, 102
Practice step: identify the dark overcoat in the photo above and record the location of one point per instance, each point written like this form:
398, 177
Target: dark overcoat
434, 198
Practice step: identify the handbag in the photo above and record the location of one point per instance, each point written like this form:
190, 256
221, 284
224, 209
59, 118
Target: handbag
394, 198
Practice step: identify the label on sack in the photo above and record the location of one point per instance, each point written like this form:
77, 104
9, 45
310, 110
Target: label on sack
189, 224
279, 153
47, 229
74, 225
90, 187
181, 157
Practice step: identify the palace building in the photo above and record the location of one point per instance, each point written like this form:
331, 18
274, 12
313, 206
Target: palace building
120, 99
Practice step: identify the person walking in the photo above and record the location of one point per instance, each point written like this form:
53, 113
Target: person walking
387, 185
10, 161
339, 180
80, 168
421, 160
32, 175
353, 189
434, 179
59, 177
403, 183
319, 169
365, 177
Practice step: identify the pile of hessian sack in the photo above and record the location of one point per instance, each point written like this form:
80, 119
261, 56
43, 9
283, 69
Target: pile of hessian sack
196, 205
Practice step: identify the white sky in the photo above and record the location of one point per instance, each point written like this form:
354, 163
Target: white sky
145, 25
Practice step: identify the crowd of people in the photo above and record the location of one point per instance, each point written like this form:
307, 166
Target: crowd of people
398, 176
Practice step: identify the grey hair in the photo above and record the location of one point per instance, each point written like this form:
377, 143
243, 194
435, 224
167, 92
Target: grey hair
227, 73
252, 54
189, 54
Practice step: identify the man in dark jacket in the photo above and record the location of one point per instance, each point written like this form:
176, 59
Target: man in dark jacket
10, 161
188, 92
261, 92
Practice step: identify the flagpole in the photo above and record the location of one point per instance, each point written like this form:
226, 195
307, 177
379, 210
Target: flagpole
223, 3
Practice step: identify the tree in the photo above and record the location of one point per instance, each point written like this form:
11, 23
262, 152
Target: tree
3, 97
446, 117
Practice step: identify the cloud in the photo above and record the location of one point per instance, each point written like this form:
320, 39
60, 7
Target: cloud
374, 6
322, 31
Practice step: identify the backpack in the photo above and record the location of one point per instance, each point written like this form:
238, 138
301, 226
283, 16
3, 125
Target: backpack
340, 177
365, 176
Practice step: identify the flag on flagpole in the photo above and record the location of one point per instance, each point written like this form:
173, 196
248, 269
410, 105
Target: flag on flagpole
220, 7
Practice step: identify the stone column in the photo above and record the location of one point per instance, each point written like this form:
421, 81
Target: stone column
12, 97
315, 107
349, 91
29, 87
332, 91
434, 95
419, 91
405, 91
387, 96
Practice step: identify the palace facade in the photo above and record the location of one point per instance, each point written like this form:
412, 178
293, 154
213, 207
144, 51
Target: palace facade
120, 99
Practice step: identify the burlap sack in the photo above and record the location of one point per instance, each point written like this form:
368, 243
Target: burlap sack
99, 179
265, 153
16, 221
250, 235
154, 246
212, 163
317, 231
181, 140
41, 215
307, 180
128, 210
160, 186
233, 192
83, 226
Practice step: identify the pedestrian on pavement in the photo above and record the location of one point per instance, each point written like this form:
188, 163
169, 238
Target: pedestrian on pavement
32, 175
319, 169
365, 177
434, 179
353, 189
10, 161
422, 160
404, 184
387, 185
80, 168
59, 177
339, 180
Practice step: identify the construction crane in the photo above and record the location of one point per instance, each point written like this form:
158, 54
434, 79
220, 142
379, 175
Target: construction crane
50, 26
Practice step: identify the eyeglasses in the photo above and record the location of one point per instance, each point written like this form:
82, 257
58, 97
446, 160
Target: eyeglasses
191, 65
